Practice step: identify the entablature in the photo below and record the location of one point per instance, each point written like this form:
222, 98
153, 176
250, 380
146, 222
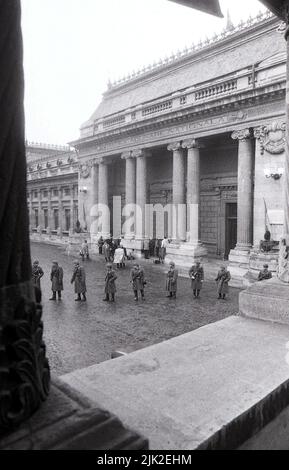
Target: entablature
249, 83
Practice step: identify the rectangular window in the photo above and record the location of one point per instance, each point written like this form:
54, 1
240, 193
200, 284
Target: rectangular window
45, 194
67, 192
45, 216
35, 194
55, 192
67, 219
36, 217
56, 218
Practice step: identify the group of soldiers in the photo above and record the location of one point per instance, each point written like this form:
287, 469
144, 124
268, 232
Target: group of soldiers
56, 277
137, 279
196, 274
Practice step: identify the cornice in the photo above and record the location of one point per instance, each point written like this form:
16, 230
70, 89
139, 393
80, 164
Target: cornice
234, 102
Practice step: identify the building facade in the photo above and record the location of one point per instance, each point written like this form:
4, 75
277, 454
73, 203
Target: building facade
205, 128
52, 187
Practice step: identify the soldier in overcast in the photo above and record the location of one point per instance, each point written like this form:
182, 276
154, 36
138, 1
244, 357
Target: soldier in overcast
78, 278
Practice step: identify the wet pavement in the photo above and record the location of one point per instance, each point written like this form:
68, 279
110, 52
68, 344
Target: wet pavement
79, 334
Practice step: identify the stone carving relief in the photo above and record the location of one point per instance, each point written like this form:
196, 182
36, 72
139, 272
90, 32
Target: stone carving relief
24, 369
242, 134
174, 146
170, 131
85, 170
272, 138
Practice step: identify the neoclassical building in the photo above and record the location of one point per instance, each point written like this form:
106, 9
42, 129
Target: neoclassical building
204, 128
52, 187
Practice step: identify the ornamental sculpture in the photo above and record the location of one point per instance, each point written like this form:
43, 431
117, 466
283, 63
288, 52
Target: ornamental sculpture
85, 170
24, 369
272, 138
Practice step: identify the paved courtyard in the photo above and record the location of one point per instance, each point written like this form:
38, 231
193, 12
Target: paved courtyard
79, 334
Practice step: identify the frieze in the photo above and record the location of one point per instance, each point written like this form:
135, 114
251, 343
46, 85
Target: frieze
167, 132
272, 138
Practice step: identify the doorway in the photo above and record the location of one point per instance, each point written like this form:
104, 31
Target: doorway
231, 227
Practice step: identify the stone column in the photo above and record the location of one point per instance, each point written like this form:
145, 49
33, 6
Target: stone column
93, 201
193, 190
245, 190
60, 212
179, 191
141, 192
130, 192
40, 211
286, 163
103, 198
72, 221
50, 212
24, 376
31, 218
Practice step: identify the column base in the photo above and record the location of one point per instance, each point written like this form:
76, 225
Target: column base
239, 266
74, 243
257, 260
185, 255
135, 246
267, 300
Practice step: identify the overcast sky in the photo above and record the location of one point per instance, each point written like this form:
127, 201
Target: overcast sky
72, 48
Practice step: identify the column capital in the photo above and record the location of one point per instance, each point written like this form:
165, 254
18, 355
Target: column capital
242, 134
191, 144
173, 146
140, 153
272, 137
102, 161
126, 155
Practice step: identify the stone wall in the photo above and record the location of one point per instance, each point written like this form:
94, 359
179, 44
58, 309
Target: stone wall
209, 214
268, 193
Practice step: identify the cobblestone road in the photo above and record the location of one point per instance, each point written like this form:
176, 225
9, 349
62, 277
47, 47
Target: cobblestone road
79, 334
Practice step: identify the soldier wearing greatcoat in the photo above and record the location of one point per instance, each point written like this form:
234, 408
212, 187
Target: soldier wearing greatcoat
56, 278
78, 278
172, 281
223, 279
110, 287
37, 273
196, 274
107, 251
138, 281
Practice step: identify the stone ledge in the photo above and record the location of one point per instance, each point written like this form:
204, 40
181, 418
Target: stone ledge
69, 421
266, 300
213, 388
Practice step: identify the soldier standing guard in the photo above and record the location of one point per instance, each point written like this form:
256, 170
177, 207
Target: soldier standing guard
265, 273
110, 288
84, 251
138, 281
196, 274
106, 251
56, 278
37, 273
223, 279
78, 278
172, 281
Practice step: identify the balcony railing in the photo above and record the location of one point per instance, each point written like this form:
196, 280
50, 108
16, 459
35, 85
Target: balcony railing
157, 108
216, 90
